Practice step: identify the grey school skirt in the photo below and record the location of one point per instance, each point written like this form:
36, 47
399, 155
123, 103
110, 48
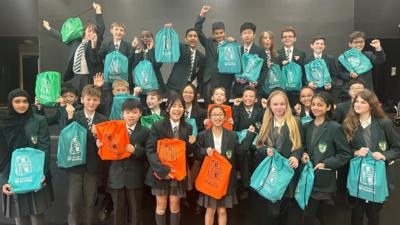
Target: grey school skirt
173, 189
228, 201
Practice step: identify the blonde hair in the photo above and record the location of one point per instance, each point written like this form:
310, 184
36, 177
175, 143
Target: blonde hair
91, 90
117, 24
268, 120
120, 83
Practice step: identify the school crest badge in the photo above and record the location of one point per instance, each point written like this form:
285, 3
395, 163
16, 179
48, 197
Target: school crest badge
382, 145
322, 147
229, 154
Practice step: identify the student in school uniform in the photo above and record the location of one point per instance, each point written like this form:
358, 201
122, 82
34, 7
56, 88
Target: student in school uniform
23, 128
368, 129
270, 56
289, 53
163, 185
82, 63
355, 86
219, 97
153, 104
279, 130
248, 34
357, 41
318, 46
327, 148
303, 108
189, 67
218, 139
83, 179
126, 176
210, 76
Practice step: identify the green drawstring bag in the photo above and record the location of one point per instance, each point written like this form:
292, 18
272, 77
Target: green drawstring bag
167, 46
355, 61
116, 109
48, 87
292, 73
147, 121
72, 29
251, 65
27, 170
115, 67
305, 185
229, 58
274, 79
317, 71
72, 146
145, 77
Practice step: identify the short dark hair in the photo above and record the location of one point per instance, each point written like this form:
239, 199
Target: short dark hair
288, 29
316, 38
248, 25
356, 34
69, 89
249, 88
131, 104
190, 30
217, 26
357, 81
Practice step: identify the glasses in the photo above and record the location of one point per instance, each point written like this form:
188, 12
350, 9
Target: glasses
358, 42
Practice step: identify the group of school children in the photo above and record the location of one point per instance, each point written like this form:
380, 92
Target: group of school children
301, 125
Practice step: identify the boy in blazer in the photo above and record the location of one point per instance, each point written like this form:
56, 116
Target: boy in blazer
82, 63
84, 179
189, 66
126, 176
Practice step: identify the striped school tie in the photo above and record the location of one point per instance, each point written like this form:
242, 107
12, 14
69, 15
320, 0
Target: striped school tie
78, 58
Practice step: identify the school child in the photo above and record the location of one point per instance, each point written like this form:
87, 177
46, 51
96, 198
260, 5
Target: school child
357, 41
279, 130
218, 139
153, 103
289, 53
219, 98
189, 67
248, 34
270, 56
164, 185
368, 129
82, 63
318, 46
23, 128
246, 114
355, 86
69, 95
327, 149
302, 109
126, 176
210, 77
83, 180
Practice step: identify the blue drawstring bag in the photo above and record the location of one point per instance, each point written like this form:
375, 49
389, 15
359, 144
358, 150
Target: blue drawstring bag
192, 122
251, 65
272, 177
355, 61
367, 179
305, 119
241, 135
116, 109
274, 79
305, 185
167, 46
229, 58
317, 71
27, 170
292, 73
48, 87
115, 67
145, 77
72, 146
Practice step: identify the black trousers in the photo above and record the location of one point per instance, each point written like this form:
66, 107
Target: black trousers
371, 209
314, 211
127, 205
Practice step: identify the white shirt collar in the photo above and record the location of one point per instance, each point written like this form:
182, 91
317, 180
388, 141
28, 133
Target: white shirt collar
118, 43
276, 124
156, 111
131, 127
291, 49
365, 124
248, 47
318, 55
87, 116
174, 124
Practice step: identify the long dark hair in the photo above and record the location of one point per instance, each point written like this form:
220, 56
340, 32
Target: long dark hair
170, 102
195, 92
328, 100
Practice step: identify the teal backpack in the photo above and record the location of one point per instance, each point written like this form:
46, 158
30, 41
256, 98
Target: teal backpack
272, 177
72, 29
251, 65
145, 77
27, 170
292, 73
116, 109
305, 185
192, 122
167, 46
355, 61
229, 58
115, 67
48, 87
72, 146
367, 179
317, 71
274, 79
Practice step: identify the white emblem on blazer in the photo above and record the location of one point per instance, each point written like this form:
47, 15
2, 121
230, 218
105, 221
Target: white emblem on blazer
229, 154
34, 139
322, 147
382, 145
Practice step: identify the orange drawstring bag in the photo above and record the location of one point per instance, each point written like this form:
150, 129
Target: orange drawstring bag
114, 136
172, 153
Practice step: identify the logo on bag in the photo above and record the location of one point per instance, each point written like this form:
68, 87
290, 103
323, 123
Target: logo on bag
290, 76
322, 147
115, 69
228, 54
316, 73
354, 61
23, 165
170, 153
273, 78
112, 144
215, 170
228, 154
45, 89
382, 145
34, 139
167, 45
271, 178
250, 65
75, 150
367, 176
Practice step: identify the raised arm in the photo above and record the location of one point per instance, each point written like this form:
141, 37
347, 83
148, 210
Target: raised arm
199, 24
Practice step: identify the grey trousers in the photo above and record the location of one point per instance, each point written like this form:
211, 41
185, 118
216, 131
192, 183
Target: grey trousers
127, 202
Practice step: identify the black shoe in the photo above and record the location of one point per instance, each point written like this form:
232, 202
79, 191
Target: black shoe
197, 209
244, 195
